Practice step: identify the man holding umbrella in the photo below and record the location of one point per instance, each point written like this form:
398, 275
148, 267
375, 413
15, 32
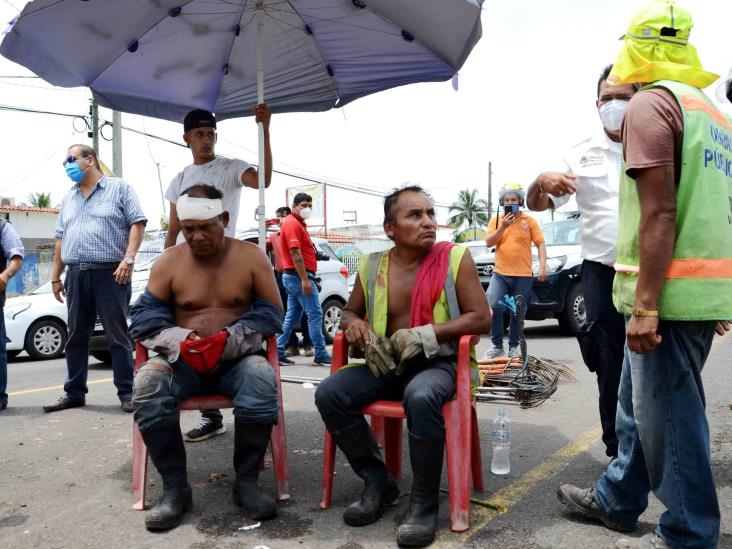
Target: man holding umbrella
228, 175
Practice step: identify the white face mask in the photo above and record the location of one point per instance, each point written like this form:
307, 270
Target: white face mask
611, 114
305, 212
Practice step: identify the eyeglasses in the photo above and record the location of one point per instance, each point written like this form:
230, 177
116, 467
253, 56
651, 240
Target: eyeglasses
72, 158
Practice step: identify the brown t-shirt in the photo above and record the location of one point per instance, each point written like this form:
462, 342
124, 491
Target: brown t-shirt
652, 132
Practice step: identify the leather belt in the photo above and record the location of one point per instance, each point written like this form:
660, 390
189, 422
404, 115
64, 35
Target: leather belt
294, 272
95, 266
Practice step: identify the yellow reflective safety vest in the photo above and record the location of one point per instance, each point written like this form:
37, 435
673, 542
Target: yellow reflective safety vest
698, 283
373, 272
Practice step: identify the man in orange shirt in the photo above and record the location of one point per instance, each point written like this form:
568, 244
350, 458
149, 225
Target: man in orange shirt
512, 234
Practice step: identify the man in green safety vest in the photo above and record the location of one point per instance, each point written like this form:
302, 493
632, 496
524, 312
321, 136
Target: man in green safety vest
673, 283
409, 307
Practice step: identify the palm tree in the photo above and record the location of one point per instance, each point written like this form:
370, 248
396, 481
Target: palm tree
40, 200
470, 210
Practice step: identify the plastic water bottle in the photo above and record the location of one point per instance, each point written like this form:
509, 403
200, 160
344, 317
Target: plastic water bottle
501, 437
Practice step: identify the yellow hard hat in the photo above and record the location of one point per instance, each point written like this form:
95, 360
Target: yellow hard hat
511, 188
656, 47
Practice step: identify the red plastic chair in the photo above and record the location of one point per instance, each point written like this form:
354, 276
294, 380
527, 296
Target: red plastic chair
462, 441
277, 442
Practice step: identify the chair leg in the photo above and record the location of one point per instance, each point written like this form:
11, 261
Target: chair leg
329, 453
139, 469
278, 446
377, 428
458, 468
476, 460
393, 441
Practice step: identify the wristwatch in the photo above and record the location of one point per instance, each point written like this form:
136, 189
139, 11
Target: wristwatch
129, 260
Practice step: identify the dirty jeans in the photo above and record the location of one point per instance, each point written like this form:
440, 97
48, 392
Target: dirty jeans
341, 396
663, 439
601, 340
249, 381
88, 294
512, 285
297, 303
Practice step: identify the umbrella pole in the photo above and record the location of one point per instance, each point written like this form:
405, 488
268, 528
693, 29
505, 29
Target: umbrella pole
260, 126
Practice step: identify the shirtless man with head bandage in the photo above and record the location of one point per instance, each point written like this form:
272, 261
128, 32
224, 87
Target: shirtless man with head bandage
210, 304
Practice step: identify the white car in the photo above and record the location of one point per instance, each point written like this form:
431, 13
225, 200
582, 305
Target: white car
37, 323
333, 278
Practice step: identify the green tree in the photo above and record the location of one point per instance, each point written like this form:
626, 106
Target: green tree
40, 200
470, 210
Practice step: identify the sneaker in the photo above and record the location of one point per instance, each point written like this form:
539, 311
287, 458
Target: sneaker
323, 360
64, 403
3, 405
308, 350
649, 541
292, 350
127, 406
205, 429
495, 352
583, 501
285, 360
513, 352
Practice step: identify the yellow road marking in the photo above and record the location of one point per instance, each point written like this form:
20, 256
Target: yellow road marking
511, 494
55, 387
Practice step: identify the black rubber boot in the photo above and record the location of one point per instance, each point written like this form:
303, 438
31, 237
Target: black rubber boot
420, 524
165, 447
380, 489
250, 444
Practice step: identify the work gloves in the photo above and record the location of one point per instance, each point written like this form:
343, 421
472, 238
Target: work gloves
384, 355
380, 354
413, 342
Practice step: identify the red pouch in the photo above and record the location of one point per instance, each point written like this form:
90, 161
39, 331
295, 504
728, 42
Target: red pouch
204, 354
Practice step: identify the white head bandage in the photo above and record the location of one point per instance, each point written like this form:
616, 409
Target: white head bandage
198, 208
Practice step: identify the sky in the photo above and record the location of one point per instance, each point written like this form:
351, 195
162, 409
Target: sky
526, 94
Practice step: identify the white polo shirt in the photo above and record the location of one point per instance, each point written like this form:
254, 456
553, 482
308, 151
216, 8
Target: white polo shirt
596, 162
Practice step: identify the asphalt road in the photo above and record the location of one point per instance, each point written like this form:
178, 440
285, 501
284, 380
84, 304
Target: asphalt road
65, 477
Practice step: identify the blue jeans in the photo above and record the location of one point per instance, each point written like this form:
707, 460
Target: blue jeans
88, 294
512, 285
160, 386
3, 361
297, 302
663, 439
294, 341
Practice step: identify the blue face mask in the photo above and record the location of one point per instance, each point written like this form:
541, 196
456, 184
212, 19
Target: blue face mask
74, 172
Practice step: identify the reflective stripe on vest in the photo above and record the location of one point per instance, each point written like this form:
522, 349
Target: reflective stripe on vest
689, 268
377, 319
698, 284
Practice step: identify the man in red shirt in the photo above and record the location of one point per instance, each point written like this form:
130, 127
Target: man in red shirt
300, 264
274, 249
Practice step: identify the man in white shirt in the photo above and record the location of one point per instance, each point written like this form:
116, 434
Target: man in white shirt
228, 175
593, 177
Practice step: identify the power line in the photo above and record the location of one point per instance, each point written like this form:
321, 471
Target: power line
343, 186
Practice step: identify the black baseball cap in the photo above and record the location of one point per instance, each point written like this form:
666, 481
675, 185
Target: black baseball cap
198, 118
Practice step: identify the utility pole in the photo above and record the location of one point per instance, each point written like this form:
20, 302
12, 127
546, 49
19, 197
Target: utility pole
117, 143
94, 113
490, 188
